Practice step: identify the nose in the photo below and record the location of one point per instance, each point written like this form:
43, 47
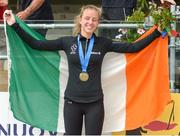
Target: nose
90, 21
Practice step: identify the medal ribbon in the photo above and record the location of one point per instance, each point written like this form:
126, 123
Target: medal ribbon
84, 58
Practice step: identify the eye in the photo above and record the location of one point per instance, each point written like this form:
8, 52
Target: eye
87, 18
94, 20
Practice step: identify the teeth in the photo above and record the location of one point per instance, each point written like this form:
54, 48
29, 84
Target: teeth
89, 27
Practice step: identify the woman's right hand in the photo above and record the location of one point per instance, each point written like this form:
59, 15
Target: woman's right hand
9, 17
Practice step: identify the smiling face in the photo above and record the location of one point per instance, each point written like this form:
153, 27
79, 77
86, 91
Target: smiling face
89, 22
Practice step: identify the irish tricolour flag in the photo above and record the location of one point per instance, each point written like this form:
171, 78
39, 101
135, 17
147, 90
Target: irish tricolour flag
136, 86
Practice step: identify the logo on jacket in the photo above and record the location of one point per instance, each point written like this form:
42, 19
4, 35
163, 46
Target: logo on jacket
73, 49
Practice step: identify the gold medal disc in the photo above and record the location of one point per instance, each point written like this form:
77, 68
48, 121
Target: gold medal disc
83, 76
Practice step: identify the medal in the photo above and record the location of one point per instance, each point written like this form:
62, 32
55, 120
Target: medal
84, 58
83, 76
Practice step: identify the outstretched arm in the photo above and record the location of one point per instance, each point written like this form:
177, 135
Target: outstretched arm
134, 47
57, 44
35, 4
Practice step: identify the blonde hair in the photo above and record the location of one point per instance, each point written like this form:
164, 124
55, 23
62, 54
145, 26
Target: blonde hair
77, 27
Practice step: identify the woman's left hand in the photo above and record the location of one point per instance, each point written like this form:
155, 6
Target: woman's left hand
159, 29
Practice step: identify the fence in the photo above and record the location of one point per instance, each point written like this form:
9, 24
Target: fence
174, 45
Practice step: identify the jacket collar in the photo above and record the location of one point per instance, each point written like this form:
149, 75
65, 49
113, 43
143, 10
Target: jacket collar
81, 37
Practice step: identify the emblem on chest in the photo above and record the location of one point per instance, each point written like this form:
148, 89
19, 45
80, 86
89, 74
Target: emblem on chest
73, 49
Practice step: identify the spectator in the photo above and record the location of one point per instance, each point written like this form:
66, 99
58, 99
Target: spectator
36, 11
117, 9
114, 11
3, 7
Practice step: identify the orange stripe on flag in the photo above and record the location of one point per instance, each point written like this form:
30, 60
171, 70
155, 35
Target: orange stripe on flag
147, 97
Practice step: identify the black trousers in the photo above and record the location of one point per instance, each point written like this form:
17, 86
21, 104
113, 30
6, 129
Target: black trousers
93, 114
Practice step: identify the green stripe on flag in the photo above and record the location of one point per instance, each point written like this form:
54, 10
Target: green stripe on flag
34, 81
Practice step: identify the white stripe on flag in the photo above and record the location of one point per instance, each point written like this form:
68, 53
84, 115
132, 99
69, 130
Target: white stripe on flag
114, 88
63, 68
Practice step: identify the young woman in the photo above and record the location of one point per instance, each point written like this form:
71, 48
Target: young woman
85, 52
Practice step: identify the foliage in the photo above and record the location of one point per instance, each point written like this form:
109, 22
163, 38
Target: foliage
137, 17
160, 16
130, 35
143, 6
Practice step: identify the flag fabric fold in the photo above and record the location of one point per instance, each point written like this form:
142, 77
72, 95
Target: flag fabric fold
135, 86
